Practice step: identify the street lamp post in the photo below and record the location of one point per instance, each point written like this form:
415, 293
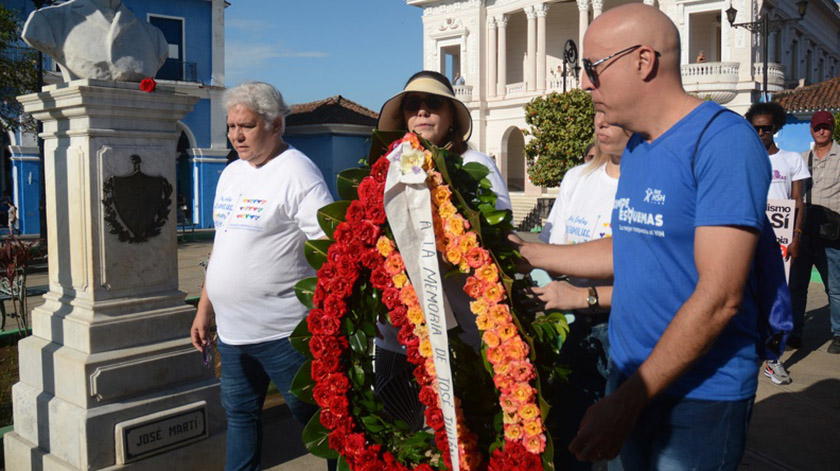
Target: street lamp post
570, 56
764, 26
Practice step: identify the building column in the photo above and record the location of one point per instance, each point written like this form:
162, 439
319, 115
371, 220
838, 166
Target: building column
217, 19
109, 359
583, 23
541, 11
530, 62
501, 87
491, 56
597, 8
207, 166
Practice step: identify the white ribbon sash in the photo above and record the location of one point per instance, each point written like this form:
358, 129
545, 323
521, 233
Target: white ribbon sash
409, 211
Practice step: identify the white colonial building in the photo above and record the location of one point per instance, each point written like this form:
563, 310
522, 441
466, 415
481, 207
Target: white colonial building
510, 51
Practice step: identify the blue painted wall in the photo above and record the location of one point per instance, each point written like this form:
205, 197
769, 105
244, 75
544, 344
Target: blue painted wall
332, 153
197, 15
197, 28
27, 175
206, 176
199, 122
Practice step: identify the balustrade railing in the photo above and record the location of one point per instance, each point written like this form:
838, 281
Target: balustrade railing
512, 88
463, 92
710, 72
775, 72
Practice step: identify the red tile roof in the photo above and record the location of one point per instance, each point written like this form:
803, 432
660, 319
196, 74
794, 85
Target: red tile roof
819, 96
333, 110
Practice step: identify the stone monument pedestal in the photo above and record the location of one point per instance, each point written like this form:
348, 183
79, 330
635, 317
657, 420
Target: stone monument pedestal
109, 379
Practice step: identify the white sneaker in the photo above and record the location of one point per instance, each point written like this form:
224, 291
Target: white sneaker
776, 372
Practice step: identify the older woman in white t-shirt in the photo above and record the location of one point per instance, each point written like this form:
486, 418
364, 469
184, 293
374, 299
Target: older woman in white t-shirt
581, 213
264, 211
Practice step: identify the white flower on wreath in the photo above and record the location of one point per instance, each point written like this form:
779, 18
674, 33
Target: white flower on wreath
411, 164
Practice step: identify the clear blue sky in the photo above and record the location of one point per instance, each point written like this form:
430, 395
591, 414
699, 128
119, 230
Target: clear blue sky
364, 50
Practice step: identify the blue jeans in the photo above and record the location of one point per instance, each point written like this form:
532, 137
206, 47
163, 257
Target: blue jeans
825, 255
675, 433
246, 372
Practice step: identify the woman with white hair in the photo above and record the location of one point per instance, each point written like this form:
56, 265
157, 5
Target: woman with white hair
264, 211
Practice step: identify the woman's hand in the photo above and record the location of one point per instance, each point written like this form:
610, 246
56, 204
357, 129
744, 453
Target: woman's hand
561, 295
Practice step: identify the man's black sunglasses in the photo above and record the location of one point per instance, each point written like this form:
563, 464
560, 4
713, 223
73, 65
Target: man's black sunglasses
767, 129
412, 103
589, 66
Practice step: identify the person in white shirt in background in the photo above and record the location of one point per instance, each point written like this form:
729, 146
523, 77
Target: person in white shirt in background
789, 175
264, 211
582, 212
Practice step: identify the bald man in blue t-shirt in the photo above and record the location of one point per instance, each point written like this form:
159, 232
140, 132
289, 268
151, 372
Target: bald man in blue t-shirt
683, 327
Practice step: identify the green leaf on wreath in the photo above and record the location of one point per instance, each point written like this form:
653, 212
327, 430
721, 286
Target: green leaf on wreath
347, 182
300, 338
357, 375
342, 464
379, 142
497, 216
548, 454
373, 423
331, 215
305, 289
315, 251
476, 170
358, 342
303, 383
316, 438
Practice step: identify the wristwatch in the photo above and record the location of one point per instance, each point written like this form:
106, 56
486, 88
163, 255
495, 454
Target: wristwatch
592, 299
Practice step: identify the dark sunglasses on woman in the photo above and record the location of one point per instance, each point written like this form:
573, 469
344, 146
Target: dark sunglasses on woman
412, 103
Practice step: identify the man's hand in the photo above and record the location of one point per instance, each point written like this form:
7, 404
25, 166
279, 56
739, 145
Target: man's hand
793, 248
607, 423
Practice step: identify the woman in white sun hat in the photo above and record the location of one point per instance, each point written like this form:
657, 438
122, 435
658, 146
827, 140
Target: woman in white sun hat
428, 106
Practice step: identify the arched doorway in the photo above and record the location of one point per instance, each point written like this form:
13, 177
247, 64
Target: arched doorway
514, 155
183, 177
6, 182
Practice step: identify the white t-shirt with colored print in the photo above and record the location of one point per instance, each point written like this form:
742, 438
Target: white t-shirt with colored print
583, 208
788, 167
263, 216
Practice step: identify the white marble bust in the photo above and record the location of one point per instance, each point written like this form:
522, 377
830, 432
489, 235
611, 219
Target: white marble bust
97, 39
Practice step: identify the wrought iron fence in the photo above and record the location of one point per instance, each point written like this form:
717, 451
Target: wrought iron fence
178, 70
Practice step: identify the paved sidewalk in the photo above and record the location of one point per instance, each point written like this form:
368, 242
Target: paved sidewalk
794, 427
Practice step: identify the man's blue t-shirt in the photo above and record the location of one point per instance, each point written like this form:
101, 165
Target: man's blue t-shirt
659, 203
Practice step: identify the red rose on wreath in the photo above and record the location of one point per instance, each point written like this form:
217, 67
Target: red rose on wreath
148, 85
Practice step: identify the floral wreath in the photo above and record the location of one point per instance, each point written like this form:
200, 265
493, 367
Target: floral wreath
362, 277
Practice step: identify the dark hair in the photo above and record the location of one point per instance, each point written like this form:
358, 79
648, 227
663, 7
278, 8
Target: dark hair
774, 110
456, 136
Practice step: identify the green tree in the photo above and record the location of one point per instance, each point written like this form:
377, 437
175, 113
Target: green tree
18, 72
836, 134
561, 126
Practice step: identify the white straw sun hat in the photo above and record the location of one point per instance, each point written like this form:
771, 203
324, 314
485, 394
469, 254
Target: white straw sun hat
391, 115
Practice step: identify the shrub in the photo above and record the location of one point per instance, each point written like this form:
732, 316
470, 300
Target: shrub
561, 126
